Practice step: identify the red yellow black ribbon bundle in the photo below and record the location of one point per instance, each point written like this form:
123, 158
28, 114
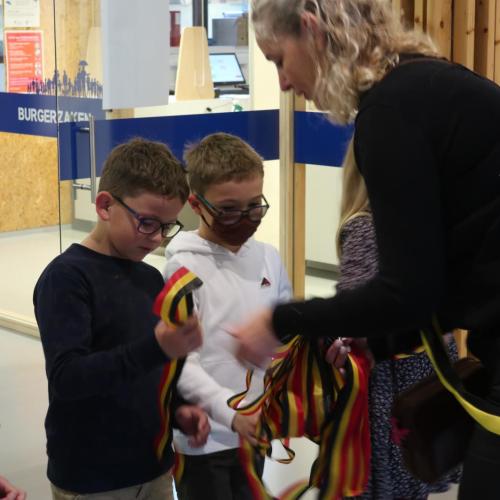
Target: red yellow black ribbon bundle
174, 304
305, 396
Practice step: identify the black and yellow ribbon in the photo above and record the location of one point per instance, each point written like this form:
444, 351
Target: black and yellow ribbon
174, 304
481, 410
305, 396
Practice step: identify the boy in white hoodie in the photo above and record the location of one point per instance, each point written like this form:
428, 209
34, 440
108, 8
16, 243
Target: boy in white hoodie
240, 276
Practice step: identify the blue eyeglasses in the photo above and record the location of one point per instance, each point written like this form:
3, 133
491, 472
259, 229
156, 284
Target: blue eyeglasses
149, 225
230, 217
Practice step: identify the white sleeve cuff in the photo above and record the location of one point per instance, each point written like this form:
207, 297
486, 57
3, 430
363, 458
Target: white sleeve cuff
219, 409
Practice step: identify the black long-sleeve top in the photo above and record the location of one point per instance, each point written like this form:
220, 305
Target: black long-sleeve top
427, 143
104, 368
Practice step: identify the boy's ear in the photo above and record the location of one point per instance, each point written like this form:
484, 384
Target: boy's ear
194, 203
103, 201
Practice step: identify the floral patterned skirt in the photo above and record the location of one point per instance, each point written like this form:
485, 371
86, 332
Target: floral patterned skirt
389, 480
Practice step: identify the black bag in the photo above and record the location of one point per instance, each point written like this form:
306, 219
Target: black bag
431, 426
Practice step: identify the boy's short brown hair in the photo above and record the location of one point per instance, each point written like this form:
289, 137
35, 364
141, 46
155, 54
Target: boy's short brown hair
220, 157
141, 165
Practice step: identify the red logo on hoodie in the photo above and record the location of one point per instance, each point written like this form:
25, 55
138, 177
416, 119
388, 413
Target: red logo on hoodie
265, 283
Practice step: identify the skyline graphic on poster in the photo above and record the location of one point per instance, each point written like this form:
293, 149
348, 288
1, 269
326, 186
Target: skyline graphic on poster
81, 85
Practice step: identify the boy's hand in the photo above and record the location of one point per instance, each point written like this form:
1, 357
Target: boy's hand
9, 491
193, 422
246, 425
179, 342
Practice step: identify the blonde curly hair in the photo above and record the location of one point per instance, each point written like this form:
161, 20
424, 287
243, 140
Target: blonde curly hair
354, 199
364, 40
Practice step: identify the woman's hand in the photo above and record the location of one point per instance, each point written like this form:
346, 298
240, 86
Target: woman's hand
257, 342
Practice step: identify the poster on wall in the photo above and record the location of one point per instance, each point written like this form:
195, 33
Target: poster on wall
22, 13
2, 64
24, 60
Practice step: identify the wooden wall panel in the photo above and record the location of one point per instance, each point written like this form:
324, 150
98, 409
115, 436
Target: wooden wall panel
439, 24
464, 12
484, 49
396, 5
419, 15
497, 43
408, 13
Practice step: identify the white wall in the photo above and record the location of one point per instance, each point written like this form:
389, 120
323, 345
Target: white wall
323, 190
266, 95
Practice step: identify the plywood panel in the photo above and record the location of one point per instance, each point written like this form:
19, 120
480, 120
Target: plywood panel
29, 191
464, 12
484, 47
439, 24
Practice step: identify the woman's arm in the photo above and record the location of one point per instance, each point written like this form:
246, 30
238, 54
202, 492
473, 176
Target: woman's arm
401, 175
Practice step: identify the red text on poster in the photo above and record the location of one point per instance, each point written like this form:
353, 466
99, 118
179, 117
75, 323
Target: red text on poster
24, 59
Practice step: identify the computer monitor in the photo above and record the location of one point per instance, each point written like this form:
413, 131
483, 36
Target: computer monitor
226, 69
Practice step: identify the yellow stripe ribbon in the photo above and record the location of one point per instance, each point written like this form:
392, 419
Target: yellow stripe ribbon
305, 396
483, 412
174, 304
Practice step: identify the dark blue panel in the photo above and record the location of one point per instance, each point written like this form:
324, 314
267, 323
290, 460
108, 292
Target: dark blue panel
258, 128
34, 114
318, 141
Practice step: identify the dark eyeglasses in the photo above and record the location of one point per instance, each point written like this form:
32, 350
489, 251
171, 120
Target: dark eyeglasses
229, 217
148, 225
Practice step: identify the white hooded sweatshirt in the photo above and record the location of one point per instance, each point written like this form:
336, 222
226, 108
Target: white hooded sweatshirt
235, 285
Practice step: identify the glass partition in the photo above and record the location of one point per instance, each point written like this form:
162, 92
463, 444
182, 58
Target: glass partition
29, 193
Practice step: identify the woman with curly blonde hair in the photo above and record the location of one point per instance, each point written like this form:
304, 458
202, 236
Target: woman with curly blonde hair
427, 144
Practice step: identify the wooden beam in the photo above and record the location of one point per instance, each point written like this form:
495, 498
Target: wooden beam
292, 196
497, 42
484, 45
464, 13
299, 231
439, 24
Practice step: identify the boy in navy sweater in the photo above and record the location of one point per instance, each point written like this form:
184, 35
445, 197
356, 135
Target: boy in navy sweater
105, 351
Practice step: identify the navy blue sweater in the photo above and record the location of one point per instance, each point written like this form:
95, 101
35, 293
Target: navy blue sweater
104, 366
427, 142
